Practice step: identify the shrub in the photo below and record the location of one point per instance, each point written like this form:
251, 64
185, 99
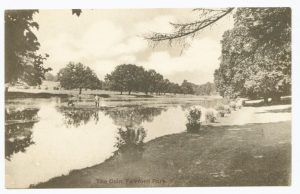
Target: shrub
222, 113
221, 110
232, 105
239, 103
130, 142
227, 109
55, 88
46, 88
193, 120
210, 116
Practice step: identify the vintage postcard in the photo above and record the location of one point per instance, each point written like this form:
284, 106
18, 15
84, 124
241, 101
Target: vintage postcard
164, 97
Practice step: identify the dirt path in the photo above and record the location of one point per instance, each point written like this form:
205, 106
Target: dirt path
264, 114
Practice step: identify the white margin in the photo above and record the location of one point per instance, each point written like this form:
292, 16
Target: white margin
116, 4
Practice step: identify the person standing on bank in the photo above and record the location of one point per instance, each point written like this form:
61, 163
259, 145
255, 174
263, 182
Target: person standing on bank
97, 101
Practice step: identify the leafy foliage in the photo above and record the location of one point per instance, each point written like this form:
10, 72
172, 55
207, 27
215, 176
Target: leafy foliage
77, 12
187, 87
130, 142
129, 77
22, 62
256, 54
193, 120
210, 116
77, 75
125, 77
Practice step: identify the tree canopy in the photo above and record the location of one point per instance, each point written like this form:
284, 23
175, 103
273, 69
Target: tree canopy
256, 54
78, 76
22, 61
130, 77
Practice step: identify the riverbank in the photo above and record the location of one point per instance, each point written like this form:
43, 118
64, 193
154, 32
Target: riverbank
238, 150
14, 92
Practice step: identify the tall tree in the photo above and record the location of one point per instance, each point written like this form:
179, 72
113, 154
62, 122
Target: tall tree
78, 76
148, 81
256, 54
187, 87
126, 77
22, 62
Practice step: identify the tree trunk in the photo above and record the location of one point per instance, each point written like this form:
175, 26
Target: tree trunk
266, 100
129, 92
121, 92
6, 89
80, 90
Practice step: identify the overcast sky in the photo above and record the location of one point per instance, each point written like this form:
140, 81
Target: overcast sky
103, 39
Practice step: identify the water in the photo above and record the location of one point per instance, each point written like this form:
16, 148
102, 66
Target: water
44, 138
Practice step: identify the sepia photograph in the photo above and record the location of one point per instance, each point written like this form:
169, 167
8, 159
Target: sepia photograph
156, 97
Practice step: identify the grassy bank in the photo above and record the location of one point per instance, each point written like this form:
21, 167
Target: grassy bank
11, 95
14, 92
219, 155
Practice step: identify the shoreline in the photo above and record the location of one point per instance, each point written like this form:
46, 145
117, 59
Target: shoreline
219, 155
29, 93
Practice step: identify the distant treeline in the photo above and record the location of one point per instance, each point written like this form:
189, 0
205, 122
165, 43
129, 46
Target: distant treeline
126, 78
205, 89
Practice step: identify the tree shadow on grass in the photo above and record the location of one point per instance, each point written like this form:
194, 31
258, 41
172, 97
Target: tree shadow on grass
283, 101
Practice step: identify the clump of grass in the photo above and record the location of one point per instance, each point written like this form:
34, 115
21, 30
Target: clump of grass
193, 120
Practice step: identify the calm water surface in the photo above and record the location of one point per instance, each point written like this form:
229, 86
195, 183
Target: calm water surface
44, 138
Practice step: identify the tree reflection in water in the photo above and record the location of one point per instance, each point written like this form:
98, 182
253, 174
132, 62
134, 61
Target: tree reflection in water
18, 134
133, 116
203, 103
130, 137
75, 117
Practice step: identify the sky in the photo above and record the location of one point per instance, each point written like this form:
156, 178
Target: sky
103, 39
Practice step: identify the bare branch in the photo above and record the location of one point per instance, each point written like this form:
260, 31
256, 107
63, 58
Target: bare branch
207, 18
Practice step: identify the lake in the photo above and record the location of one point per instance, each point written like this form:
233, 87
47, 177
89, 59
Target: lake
45, 138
